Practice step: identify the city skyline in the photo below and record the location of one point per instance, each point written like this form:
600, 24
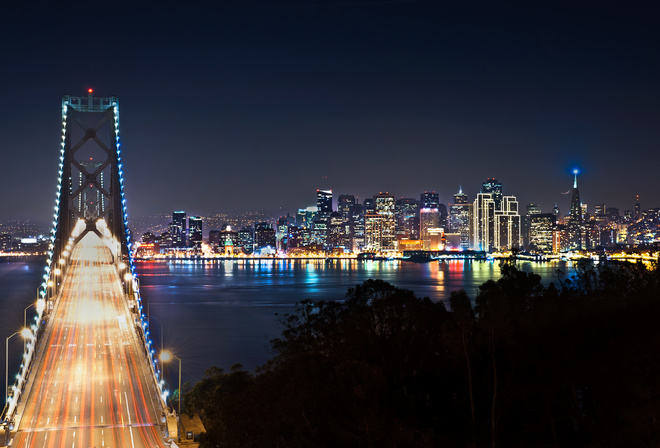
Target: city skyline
226, 107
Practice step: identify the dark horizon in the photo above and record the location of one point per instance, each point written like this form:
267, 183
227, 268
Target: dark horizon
227, 107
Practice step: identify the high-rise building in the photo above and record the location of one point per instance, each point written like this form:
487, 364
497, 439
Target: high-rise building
638, 210
574, 221
428, 225
483, 221
407, 227
429, 199
264, 236
335, 233
541, 227
246, 239
494, 187
384, 205
346, 208
507, 225
459, 217
532, 209
178, 229
195, 232
324, 203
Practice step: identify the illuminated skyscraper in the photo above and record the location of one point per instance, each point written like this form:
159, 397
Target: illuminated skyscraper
407, 225
195, 232
507, 225
384, 206
574, 220
346, 207
541, 229
483, 221
379, 226
428, 219
178, 229
494, 187
324, 203
459, 217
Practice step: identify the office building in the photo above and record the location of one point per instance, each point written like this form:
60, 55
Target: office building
459, 218
507, 225
195, 232
541, 228
178, 229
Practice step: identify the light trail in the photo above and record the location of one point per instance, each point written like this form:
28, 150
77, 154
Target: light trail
93, 385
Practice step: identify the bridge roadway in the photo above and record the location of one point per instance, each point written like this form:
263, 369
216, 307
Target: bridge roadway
92, 386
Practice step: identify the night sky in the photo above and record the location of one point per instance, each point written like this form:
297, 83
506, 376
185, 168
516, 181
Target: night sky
256, 104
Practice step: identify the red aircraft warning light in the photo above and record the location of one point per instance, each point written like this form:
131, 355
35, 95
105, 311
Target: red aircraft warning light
90, 90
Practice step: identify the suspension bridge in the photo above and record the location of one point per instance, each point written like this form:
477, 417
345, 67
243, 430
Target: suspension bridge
89, 376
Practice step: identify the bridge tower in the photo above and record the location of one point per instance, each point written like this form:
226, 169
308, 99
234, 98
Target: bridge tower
91, 185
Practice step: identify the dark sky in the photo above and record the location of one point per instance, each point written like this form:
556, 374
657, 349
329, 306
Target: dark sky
251, 104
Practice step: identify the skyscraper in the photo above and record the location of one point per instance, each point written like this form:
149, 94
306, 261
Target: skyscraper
507, 225
483, 221
574, 221
494, 187
459, 217
178, 229
195, 232
324, 203
384, 206
541, 228
346, 207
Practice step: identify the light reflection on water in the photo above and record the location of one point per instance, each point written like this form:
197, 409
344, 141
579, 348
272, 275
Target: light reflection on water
224, 312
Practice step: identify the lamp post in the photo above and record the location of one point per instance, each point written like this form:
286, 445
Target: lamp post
165, 356
26, 333
25, 320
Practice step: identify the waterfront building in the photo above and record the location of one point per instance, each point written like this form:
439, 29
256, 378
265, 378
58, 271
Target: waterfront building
346, 206
178, 229
384, 204
358, 228
214, 240
335, 232
507, 225
459, 218
428, 219
483, 220
407, 225
541, 228
246, 239
195, 232
283, 230
264, 237
532, 209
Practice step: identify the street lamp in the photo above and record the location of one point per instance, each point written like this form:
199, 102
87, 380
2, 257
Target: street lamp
25, 320
26, 334
165, 356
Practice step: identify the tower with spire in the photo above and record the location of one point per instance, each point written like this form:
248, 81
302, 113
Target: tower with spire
574, 222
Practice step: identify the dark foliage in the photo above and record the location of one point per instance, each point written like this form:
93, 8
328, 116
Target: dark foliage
524, 366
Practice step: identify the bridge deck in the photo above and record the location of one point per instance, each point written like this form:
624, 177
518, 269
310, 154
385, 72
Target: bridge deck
92, 384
